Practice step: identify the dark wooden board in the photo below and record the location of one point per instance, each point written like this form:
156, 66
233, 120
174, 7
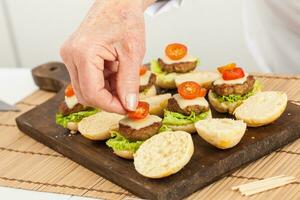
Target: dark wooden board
207, 165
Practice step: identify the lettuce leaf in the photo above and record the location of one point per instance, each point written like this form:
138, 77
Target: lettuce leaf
145, 91
74, 117
237, 97
120, 143
164, 128
174, 118
155, 68
198, 62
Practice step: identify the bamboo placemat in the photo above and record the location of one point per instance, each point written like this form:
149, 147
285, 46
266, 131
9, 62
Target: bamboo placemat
28, 164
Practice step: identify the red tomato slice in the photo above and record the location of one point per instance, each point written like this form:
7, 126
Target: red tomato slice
69, 91
233, 74
176, 51
189, 90
202, 92
143, 70
226, 67
141, 111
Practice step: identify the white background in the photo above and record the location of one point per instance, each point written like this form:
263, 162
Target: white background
212, 29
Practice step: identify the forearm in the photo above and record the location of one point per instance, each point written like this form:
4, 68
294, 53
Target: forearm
112, 10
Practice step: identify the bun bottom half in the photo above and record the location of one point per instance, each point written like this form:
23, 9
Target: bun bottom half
222, 107
190, 128
124, 154
149, 93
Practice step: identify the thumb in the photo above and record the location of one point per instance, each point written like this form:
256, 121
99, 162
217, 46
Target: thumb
128, 81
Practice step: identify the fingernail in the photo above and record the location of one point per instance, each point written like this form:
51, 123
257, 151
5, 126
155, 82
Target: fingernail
131, 101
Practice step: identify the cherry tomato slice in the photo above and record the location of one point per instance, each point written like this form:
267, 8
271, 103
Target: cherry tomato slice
189, 90
226, 67
233, 74
69, 91
143, 70
176, 51
202, 92
141, 111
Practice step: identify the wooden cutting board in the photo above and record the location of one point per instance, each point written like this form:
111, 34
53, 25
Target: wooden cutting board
207, 165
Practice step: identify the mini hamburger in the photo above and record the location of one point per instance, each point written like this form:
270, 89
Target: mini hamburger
70, 112
147, 83
175, 62
234, 86
186, 108
135, 128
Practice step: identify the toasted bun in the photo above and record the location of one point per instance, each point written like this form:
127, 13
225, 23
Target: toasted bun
98, 126
164, 154
73, 127
262, 108
222, 133
158, 103
204, 78
223, 107
149, 93
190, 128
166, 81
124, 154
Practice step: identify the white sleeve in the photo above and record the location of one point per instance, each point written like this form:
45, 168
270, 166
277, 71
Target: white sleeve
163, 6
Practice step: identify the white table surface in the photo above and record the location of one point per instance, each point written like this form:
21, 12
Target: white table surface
15, 84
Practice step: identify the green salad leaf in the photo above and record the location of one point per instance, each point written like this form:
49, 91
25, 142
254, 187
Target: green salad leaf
120, 143
174, 118
198, 62
237, 97
155, 68
164, 128
74, 117
145, 91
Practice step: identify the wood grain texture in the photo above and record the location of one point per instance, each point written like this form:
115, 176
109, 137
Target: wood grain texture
207, 165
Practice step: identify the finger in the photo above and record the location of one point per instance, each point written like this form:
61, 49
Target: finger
107, 73
92, 85
110, 67
107, 86
128, 80
75, 81
113, 84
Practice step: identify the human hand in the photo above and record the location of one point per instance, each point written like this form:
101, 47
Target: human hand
104, 54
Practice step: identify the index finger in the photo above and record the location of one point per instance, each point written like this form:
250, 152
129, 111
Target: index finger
92, 84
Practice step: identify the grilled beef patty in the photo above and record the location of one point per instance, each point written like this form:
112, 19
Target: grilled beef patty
240, 89
181, 67
139, 134
174, 107
64, 110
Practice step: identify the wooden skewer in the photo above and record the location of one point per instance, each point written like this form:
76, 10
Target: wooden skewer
264, 185
256, 182
268, 187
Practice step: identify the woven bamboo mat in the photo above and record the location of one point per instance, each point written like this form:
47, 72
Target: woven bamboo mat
28, 164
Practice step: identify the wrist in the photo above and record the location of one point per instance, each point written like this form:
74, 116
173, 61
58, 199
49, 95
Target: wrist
142, 4
137, 4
